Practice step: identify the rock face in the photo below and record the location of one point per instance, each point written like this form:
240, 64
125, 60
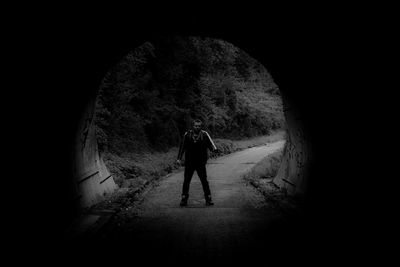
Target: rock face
91, 178
293, 172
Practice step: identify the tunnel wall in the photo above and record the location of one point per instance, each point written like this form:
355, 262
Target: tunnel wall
91, 178
292, 174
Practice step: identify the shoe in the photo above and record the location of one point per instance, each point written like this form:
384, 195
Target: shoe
184, 201
209, 201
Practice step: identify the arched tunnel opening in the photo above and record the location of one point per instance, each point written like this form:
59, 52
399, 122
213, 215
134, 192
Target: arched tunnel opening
93, 181
88, 61
314, 61
148, 100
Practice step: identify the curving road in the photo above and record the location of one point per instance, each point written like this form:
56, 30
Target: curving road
236, 228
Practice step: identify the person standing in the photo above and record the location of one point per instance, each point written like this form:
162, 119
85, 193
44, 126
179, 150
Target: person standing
195, 144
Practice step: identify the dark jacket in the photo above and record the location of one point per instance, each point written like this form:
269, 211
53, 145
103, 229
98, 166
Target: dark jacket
196, 150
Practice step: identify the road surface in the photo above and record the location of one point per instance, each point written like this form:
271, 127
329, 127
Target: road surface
237, 227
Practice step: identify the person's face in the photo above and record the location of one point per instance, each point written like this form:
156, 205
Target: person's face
197, 127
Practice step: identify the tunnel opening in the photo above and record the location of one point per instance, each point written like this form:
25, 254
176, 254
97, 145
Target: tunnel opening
147, 101
312, 61
103, 158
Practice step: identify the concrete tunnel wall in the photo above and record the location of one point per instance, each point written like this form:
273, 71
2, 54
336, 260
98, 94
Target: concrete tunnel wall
92, 180
293, 172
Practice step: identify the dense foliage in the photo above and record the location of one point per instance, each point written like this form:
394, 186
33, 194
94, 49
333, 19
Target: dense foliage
147, 101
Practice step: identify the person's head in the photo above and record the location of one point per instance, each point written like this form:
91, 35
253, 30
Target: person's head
197, 125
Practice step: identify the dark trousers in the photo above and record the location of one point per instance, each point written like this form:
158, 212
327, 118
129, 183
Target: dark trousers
200, 168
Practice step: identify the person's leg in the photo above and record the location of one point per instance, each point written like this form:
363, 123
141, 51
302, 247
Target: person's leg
202, 173
189, 170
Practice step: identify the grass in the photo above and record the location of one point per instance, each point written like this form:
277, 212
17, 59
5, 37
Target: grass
227, 146
261, 177
267, 168
135, 169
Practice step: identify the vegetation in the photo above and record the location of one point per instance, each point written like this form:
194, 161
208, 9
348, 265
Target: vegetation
148, 100
137, 169
261, 177
265, 170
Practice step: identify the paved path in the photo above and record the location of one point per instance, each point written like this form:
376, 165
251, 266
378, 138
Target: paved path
235, 227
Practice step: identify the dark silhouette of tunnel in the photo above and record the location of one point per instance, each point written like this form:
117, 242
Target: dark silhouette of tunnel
92, 180
284, 61
295, 55
322, 60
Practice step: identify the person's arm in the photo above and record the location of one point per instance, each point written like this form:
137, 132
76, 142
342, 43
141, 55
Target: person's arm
182, 148
210, 143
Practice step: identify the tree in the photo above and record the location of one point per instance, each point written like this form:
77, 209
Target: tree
150, 97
